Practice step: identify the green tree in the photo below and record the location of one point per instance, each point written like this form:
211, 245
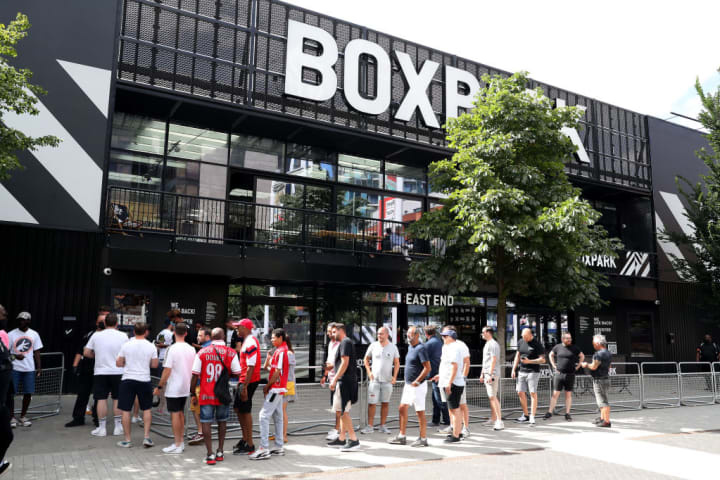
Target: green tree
702, 201
511, 217
17, 95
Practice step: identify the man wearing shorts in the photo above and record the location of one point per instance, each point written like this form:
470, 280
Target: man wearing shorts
345, 386
329, 374
490, 376
565, 359
417, 367
209, 364
25, 342
203, 340
600, 372
136, 357
451, 381
247, 384
382, 364
175, 382
465, 371
104, 346
530, 355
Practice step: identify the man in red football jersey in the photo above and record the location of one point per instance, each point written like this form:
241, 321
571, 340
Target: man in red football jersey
208, 366
250, 366
274, 392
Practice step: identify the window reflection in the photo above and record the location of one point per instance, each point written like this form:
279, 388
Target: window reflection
257, 153
311, 162
359, 171
139, 134
197, 144
402, 178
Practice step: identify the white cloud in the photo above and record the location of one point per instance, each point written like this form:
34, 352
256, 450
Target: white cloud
638, 54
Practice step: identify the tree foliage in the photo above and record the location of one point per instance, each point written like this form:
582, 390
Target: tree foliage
17, 95
702, 201
511, 217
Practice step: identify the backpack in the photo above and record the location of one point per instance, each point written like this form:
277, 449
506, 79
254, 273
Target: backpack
222, 384
5, 362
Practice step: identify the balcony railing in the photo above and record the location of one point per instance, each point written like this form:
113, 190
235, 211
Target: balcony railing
213, 221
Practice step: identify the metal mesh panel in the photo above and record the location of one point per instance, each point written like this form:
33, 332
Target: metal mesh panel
716, 380
696, 383
46, 401
661, 386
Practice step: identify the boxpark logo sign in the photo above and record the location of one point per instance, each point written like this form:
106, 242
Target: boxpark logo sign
635, 264
460, 86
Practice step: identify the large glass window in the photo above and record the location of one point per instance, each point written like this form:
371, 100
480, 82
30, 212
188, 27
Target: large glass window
401, 209
257, 153
197, 144
312, 162
194, 178
358, 204
139, 134
132, 170
401, 178
359, 171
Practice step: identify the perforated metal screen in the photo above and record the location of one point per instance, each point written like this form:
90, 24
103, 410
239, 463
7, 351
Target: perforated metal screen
234, 51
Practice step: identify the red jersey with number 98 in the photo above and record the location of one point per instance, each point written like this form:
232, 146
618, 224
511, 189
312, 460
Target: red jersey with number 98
208, 365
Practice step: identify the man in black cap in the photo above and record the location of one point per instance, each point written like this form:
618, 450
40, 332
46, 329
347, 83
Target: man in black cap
26, 342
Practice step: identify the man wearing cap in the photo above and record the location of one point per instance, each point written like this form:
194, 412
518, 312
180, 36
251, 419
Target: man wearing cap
250, 366
451, 381
26, 342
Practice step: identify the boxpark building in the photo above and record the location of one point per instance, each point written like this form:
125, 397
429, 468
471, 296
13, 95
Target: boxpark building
247, 157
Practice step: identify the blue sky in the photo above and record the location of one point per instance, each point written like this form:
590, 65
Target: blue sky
638, 54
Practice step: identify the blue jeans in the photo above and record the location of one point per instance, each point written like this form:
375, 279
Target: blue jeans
439, 407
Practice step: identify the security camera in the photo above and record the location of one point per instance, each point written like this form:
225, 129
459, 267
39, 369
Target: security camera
107, 271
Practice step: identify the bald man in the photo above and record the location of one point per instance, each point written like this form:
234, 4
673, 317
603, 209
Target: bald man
382, 364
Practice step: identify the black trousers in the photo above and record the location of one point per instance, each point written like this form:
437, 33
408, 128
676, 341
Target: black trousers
84, 388
6, 434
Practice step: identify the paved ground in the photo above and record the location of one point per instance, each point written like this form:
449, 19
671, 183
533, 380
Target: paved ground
650, 444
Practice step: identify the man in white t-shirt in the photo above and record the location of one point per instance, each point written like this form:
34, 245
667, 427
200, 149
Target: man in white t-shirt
175, 382
464, 410
25, 342
136, 357
328, 376
450, 380
385, 360
104, 346
164, 339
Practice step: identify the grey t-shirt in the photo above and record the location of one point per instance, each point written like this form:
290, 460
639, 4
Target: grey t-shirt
382, 360
491, 349
605, 358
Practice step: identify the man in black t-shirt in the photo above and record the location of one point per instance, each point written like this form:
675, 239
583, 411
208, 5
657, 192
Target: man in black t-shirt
600, 371
708, 351
565, 359
530, 355
345, 386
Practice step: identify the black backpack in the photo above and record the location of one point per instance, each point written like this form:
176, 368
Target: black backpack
222, 384
5, 362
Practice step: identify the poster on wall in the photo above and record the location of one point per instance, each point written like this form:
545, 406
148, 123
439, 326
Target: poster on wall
131, 307
189, 313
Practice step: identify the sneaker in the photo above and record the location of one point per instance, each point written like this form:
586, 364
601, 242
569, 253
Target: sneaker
367, 429
464, 433
196, 439
99, 432
250, 449
547, 416
210, 459
278, 451
351, 446
219, 456
124, 444
332, 435
532, 420
568, 417
447, 429
74, 423
174, 449
384, 429
4, 467
14, 422
451, 439
420, 442
598, 420
136, 419
521, 419
240, 448
260, 454
147, 442
337, 443
118, 430
499, 425
24, 422
604, 424
398, 440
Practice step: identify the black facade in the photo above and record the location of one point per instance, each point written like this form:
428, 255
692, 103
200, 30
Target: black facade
221, 195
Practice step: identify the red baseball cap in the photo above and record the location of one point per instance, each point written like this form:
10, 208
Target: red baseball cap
245, 322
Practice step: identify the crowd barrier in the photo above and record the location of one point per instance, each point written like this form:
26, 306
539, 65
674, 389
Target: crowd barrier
697, 383
46, 401
716, 380
660, 384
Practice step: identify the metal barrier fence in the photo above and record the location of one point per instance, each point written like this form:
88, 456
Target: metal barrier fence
47, 399
625, 390
660, 384
716, 380
697, 385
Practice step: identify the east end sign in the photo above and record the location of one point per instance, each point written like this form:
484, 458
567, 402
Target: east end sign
428, 299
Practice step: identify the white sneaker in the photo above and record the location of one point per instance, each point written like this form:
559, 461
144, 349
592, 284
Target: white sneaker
137, 419
260, 454
532, 420
332, 435
383, 429
118, 430
24, 422
499, 425
447, 429
174, 449
99, 432
14, 422
464, 433
521, 419
366, 429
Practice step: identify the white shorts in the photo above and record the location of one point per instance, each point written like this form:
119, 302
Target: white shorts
414, 396
379, 392
491, 387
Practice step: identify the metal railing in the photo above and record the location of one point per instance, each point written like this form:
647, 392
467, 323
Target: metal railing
47, 399
697, 385
660, 384
207, 220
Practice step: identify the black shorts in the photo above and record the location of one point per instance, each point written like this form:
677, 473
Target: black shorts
175, 404
246, 406
453, 400
129, 389
563, 381
104, 385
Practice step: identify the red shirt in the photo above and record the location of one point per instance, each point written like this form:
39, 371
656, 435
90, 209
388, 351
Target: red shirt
250, 355
279, 361
209, 367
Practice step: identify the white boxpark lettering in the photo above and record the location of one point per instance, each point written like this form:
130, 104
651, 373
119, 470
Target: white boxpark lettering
418, 83
351, 83
602, 261
297, 59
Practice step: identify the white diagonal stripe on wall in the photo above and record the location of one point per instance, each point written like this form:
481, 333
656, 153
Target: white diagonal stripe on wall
69, 164
672, 200
11, 210
671, 249
93, 81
